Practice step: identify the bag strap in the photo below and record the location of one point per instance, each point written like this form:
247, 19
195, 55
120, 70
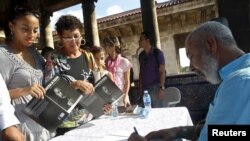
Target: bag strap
155, 51
90, 59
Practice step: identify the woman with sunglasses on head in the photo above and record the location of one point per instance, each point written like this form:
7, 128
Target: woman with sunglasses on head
22, 67
72, 62
118, 66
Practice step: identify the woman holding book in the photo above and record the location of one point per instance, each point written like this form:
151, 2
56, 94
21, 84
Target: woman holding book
74, 63
22, 67
119, 67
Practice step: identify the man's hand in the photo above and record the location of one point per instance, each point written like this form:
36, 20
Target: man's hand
135, 137
165, 134
12, 134
161, 94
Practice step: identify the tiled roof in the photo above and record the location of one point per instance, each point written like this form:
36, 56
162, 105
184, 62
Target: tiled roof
171, 3
138, 10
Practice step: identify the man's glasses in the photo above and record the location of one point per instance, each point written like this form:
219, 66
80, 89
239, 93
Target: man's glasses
70, 39
22, 10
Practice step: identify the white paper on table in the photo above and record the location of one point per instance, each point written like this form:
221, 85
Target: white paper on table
114, 138
121, 136
117, 136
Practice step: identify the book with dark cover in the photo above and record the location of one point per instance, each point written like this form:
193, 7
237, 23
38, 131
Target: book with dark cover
106, 91
61, 98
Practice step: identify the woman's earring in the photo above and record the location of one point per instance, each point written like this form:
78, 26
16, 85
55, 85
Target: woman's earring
11, 35
59, 45
83, 42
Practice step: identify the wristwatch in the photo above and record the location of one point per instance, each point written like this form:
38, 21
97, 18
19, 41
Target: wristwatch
162, 87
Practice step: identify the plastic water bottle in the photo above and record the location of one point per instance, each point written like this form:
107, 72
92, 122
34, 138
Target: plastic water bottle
114, 112
147, 104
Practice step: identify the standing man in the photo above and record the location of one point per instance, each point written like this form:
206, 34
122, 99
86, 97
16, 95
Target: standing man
8, 121
152, 70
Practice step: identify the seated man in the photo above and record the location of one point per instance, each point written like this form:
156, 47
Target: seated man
8, 120
214, 54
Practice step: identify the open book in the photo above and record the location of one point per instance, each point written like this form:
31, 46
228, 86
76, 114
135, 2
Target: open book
105, 92
60, 99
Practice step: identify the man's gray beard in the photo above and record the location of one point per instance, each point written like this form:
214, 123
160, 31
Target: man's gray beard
211, 69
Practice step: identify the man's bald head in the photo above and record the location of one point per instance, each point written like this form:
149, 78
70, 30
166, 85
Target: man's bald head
210, 47
220, 32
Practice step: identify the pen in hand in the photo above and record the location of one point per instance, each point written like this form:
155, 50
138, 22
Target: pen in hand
136, 131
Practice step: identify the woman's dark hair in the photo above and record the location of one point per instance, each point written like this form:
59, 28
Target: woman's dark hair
114, 42
68, 22
46, 50
14, 14
96, 49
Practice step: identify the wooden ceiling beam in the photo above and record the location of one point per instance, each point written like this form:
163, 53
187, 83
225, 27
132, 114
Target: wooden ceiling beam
55, 5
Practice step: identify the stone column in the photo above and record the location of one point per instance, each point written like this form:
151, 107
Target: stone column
46, 36
90, 22
149, 20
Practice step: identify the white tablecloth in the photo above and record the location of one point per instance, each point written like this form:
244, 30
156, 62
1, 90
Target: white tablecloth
107, 129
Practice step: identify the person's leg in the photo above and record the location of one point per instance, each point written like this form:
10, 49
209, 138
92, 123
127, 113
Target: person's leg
155, 102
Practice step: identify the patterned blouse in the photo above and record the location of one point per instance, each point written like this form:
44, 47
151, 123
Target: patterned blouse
16, 74
79, 68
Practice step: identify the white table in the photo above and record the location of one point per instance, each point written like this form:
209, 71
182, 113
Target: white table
107, 129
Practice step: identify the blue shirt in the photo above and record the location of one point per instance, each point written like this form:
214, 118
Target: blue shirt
231, 104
